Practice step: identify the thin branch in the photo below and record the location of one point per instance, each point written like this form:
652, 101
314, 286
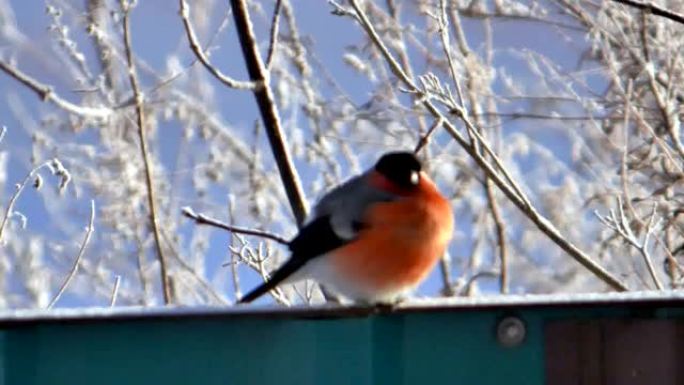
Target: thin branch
193, 273
501, 178
499, 225
47, 94
202, 219
481, 13
140, 265
115, 291
340, 10
96, 11
445, 272
202, 56
234, 262
433, 90
668, 112
81, 251
277, 292
620, 224
654, 9
533, 116
13, 200
500, 236
55, 167
402, 52
274, 34
624, 181
256, 262
142, 133
426, 138
3, 131
269, 110
467, 288
443, 22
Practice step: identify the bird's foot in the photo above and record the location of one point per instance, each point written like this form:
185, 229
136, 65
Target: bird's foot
384, 307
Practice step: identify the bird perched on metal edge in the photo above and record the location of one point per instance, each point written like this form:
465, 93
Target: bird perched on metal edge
374, 238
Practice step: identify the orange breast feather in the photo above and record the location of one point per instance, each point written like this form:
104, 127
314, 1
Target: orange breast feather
401, 244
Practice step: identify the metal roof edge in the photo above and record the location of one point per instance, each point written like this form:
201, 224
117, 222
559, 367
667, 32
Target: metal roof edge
413, 305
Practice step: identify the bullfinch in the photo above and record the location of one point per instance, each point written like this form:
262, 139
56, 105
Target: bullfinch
374, 238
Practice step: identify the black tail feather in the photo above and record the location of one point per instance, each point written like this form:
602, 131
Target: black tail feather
278, 277
315, 239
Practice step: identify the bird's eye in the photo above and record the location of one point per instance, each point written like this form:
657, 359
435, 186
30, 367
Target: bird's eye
415, 178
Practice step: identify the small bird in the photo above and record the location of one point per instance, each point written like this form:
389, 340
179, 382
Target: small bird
374, 238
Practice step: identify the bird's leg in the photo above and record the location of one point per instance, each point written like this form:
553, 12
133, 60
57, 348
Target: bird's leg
384, 307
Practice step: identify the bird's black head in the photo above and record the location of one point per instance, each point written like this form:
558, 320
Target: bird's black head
401, 168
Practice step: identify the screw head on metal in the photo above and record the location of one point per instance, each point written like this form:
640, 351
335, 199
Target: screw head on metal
510, 332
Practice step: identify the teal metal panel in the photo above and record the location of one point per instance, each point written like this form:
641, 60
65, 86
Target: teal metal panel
442, 344
194, 351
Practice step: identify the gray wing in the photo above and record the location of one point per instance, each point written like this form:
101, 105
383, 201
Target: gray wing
346, 204
336, 220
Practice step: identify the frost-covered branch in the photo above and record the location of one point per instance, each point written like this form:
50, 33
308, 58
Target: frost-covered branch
46, 93
654, 9
620, 224
202, 219
203, 57
497, 172
79, 256
56, 168
255, 261
476, 107
145, 152
115, 291
269, 110
275, 22
425, 138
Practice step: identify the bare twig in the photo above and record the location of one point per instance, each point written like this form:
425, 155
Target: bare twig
340, 10
402, 52
81, 251
469, 284
277, 292
46, 93
274, 34
433, 90
443, 22
424, 139
654, 9
115, 291
669, 111
55, 167
202, 219
208, 288
501, 177
140, 266
475, 105
533, 116
445, 272
202, 56
650, 228
624, 180
269, 110
234, 262
620, 224
256, 262
96, 11
500, 236
142, 134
